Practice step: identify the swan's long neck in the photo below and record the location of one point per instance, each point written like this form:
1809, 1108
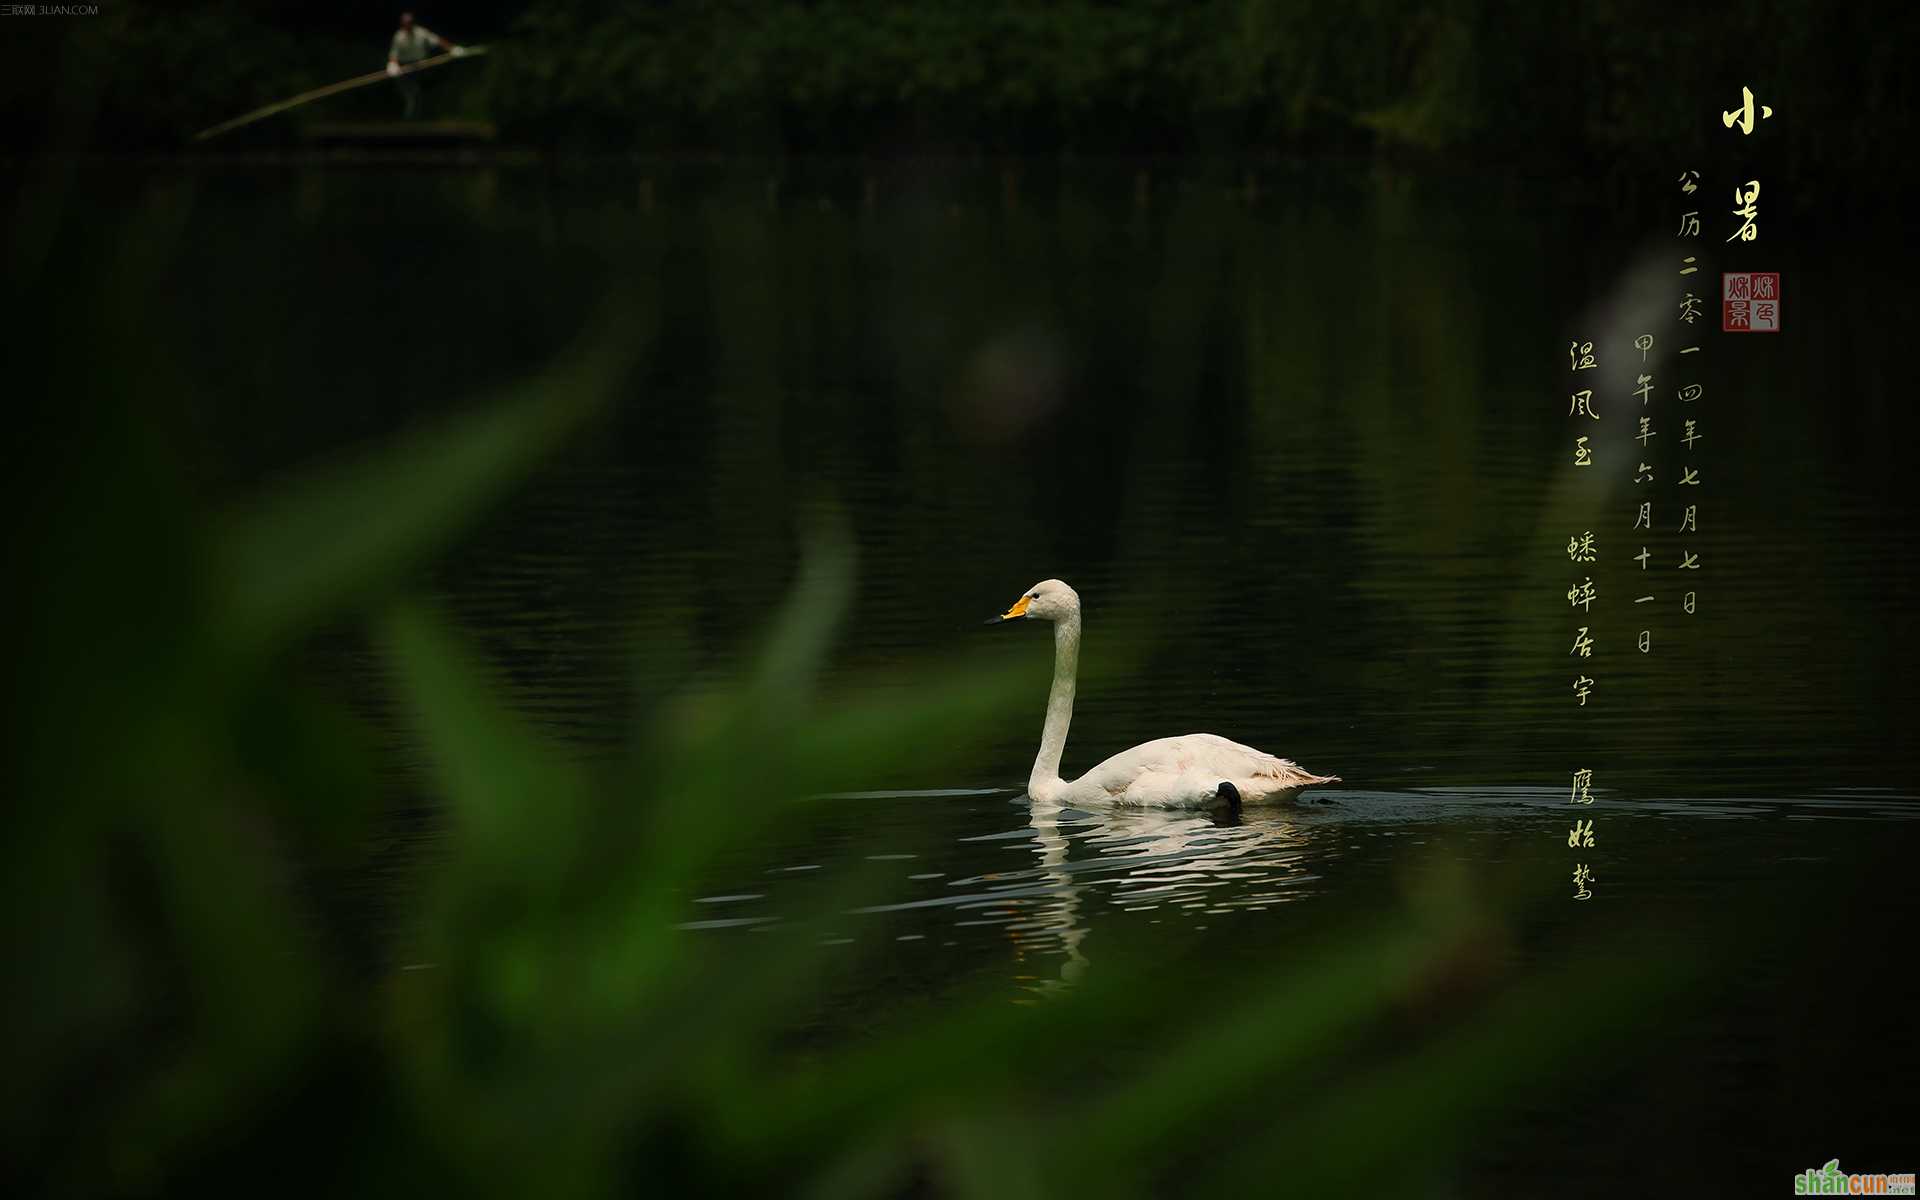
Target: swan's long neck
1053, 736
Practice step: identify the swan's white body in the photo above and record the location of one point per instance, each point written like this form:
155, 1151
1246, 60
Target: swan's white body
1173, 772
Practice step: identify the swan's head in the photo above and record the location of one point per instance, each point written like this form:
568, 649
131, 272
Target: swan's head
1048, 600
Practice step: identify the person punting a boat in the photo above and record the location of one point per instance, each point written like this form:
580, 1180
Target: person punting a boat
412, 43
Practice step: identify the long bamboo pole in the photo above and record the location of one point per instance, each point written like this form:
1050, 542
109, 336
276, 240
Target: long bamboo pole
332, 89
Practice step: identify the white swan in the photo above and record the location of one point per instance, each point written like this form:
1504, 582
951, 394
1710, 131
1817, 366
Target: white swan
1199, 770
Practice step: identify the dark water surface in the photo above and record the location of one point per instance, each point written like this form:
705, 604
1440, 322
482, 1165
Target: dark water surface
1304, 453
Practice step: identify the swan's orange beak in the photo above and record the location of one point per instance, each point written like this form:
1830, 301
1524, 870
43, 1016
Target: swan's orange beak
1018, 610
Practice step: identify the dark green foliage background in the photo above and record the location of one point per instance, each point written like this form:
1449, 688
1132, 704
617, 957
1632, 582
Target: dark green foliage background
1599, 86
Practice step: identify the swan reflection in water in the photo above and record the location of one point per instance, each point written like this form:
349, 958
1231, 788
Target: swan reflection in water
1153, 865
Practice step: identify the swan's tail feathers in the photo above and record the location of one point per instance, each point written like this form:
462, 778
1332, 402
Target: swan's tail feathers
1290, 774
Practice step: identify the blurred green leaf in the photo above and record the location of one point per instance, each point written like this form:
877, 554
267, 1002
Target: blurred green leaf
300, 555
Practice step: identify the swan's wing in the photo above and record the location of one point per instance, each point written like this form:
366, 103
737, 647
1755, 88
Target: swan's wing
1202, 756
1254, 765
1117, 774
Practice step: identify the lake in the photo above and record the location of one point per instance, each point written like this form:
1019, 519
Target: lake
1300, 438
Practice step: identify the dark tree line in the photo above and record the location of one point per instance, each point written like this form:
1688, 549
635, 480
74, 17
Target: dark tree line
1605, 82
